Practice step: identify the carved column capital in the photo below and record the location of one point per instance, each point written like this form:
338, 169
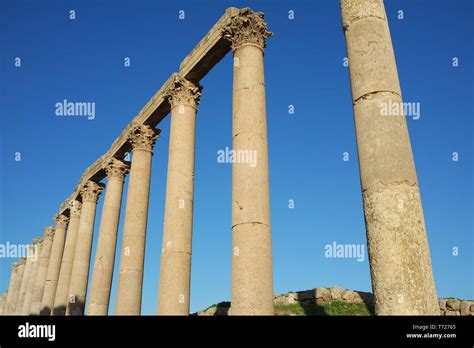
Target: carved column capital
37, 240
22, 260
48, 233
74, 208
247, 28
91, 191
143, 137
116, 168
61, 220
15, 265
183, 92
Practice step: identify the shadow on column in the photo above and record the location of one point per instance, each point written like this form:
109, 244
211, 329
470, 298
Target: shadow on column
76, 308
61, 310
45, 311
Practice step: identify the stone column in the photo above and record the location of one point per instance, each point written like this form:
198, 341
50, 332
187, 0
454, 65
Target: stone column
36, 246
129, 292
3, 299
14, 288
101, 283
82, 255
27, 274
399, 256
54, 264
252, 279
43, 263
175, 265
64, 280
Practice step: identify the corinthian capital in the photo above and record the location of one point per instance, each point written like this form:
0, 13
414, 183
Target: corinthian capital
183, 92
74, 208
22, 260
61, 220
247, 27
48, 233
115, 168
90, 191
143, 137
15, 265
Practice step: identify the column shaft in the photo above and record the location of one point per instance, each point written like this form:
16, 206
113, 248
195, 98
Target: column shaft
3, 299
175, 265
26, 278
400, 265
82, 254
64, 279
30, 286
40, 279
54, 266
252, 278
14, 288
129, 292
101, 283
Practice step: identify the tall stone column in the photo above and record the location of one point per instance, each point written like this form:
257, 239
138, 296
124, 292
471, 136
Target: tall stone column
252, 279
54, 266
82, 255
3, 299
101, 283
64, 280
399, 256
14, 288
43, 262
129, 292
27, 274
175, 265
36, 250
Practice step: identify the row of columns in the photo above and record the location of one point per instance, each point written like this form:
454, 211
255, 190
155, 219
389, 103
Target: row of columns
53, 279
62, 286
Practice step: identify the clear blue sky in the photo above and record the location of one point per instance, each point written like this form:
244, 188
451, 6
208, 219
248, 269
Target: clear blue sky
82, 60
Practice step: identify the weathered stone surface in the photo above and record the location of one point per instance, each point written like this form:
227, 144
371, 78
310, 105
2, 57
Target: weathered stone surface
464, 308
399, 257
336, 293
82, 253
292, 298
175, 265
453, 304
442, 303
101, 283
43, 263
54, 265
352, 297
323, 295
132, 258
252, 275
307, 295
64, 279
